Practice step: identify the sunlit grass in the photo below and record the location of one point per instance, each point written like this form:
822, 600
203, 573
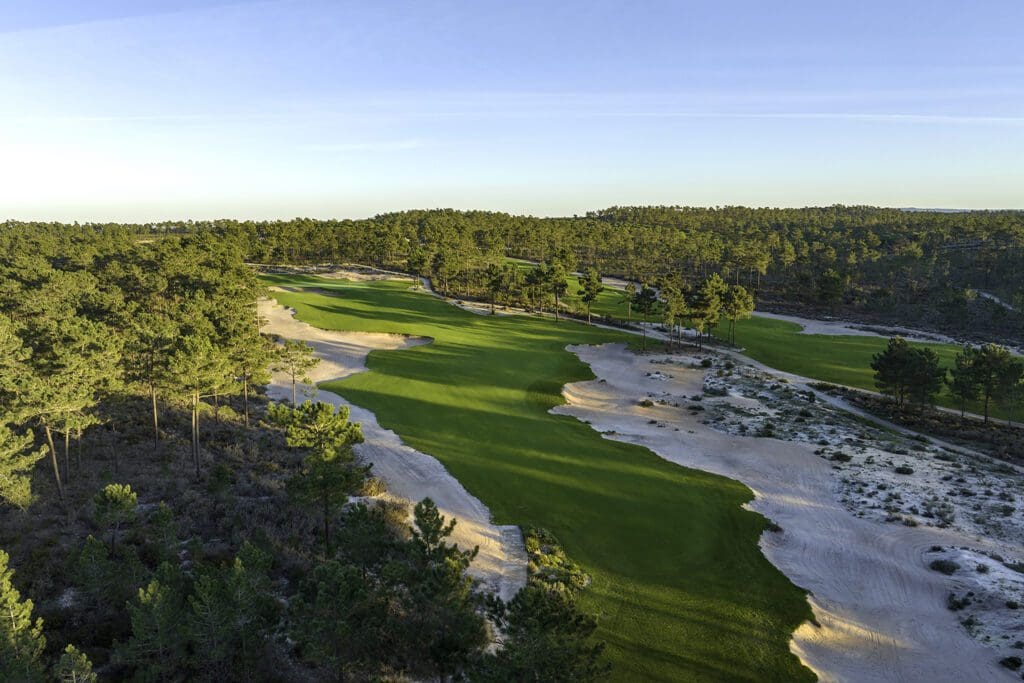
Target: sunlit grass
840, 359
681, 589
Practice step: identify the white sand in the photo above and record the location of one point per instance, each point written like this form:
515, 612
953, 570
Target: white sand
882, 612
845, 328
409, 474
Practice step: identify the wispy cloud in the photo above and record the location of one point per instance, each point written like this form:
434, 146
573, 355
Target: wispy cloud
881, 117
365, 146
34, 20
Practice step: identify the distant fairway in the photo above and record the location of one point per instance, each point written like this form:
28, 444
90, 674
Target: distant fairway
681, 589
840, 359
829, 358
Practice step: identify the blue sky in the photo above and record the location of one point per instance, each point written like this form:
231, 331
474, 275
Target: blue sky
116, 110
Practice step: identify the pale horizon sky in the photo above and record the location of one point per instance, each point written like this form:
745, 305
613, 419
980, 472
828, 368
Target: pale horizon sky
177, 109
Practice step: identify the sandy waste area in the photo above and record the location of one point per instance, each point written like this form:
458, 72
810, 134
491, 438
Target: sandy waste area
862, 512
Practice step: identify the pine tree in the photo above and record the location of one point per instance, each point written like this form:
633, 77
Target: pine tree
737, 304
329, 474
198, 368
892, 369
544, 637
924, 376
157, 647
340, 620
296, 359
17, 460
644, 301
991, 365
115, 505
556, 280
963, 381
74, 667
231, 612
444, 627
590, 288
21, 639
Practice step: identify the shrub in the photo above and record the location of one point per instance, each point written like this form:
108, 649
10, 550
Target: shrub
647, 403
956, 604
372, 487
706, 363
947, 567
1012, 663
904, 469
1012, 604
548, 563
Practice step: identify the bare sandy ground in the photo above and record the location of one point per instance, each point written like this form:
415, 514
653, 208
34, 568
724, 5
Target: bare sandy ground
844, 328
409, 474
882, 611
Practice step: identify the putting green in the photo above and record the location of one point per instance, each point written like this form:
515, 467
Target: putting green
840, 359
680, 587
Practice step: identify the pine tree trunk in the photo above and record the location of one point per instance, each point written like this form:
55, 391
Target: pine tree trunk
293, 391
327, 529
53, 461
195, 430
67, 453
156, 416
245, 397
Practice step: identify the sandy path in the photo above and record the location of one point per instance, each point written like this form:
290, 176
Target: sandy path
882, 611
410, 475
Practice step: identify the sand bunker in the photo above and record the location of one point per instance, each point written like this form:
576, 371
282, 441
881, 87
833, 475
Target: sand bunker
409, 474
882, 612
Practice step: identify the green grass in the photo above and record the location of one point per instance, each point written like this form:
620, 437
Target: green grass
828, 358
681, 589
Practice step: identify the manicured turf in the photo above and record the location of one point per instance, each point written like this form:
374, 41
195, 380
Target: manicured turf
829, 358
682, 591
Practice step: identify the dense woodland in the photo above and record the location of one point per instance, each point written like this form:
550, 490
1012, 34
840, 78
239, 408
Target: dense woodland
160, 521
921, 268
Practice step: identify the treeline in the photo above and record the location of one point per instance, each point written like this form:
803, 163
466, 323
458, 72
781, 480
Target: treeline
913, 376
925, 266
87, 318
161, 521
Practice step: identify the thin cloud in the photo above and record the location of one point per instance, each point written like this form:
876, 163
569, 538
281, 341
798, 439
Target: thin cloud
366, 146
140, 12
883, 117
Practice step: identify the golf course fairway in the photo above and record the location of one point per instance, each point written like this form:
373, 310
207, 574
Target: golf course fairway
681, 590
839, 359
